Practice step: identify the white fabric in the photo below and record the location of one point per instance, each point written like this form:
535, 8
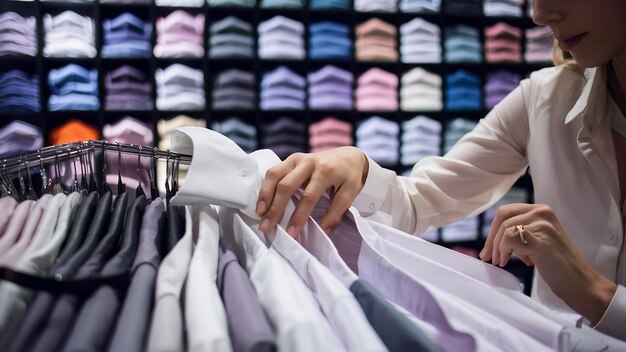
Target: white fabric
51, 233
298, 325
13, 254
205, 317
581, 338
336, 301
375, 254
69, 35
15, 225
8, 204
167, 326
568, 138
288, 302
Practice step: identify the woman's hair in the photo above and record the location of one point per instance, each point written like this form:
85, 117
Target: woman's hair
564, 58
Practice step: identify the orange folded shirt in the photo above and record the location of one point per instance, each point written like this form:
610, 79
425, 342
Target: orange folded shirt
73, 131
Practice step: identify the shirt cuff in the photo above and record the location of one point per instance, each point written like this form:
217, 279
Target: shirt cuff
374, 191
614, 318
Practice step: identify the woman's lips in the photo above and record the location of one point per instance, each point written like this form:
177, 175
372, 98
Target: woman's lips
569, 43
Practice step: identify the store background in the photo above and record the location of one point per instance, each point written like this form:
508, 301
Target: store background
30, 119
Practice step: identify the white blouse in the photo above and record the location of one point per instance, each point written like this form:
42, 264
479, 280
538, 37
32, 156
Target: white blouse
557, 122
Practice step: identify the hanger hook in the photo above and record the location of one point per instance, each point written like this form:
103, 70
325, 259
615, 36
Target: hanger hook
121, 187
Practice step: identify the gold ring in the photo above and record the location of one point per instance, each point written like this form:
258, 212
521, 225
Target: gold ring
522, 237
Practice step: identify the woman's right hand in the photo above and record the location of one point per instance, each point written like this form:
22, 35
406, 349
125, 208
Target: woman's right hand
341, 172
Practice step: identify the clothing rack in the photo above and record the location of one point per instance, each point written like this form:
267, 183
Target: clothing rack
68, 151
91, 156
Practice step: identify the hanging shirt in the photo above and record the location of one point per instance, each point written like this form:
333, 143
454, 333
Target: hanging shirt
15, 225
264, 270
13, 297
98, 314
249, 328
13, 254
205, 318
134, 318
167, 327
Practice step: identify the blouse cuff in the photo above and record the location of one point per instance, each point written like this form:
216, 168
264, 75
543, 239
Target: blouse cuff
614, 319
374, 191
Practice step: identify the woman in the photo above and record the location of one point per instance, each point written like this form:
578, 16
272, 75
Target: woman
566, 123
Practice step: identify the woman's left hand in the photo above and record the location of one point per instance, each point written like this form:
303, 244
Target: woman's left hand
550, 250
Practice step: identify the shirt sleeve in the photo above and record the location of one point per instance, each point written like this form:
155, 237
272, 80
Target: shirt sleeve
614, 318
472, 176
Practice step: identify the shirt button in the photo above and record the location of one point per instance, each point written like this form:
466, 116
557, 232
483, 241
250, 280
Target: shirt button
612, 239
243, 173
372, 205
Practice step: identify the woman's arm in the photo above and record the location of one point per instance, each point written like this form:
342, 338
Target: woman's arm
477, 172
472, 176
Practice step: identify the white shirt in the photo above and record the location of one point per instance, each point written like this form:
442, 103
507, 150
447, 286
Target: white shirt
289, 303
299, 326
338, 304
38, 257
167, 326
581, 338
205, 317
557, 124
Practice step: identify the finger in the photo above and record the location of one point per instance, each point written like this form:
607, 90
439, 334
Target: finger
270, 181
512, 243
310, 196
340, 202
285, 188
506, 245
503, 214
524, 218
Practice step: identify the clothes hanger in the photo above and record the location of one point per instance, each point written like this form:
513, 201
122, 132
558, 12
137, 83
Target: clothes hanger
168, 193
121, 186
75, 184
139, 190
46, 183
93, 187
31, 189
83, 168
22, 190
105, 185
154, 191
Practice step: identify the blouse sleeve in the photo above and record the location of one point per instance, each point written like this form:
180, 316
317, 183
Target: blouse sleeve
614, 318
472, 176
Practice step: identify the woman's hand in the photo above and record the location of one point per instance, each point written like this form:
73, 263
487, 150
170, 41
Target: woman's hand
341, 171
548, 248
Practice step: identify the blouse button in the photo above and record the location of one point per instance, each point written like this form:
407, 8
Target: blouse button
371, 206
612, 239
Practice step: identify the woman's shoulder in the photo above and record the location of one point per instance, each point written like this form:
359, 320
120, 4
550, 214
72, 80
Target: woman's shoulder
558, 76
554, 85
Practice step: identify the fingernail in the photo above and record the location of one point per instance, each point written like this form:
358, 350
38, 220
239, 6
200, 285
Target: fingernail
265, 223
291, 230
260, 207
482, 254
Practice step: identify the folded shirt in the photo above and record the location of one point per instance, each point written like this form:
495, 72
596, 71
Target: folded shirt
180, 34
180, 87
69, 34
19, 92
19, 137
73, 87
17, 34
126, 36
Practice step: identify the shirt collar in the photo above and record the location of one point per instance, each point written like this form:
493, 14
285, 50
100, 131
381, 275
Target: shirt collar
594, 92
